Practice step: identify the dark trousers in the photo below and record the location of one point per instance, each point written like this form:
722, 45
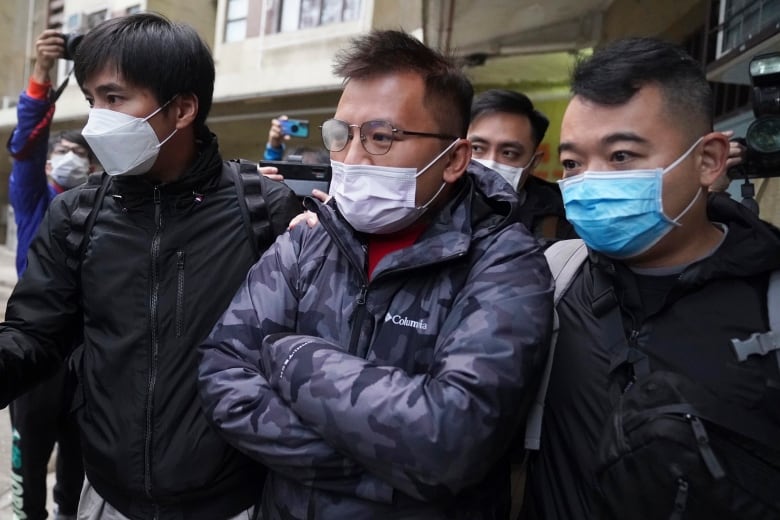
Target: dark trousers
40, 418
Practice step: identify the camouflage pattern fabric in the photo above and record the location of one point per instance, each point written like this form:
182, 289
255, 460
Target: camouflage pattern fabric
394, 398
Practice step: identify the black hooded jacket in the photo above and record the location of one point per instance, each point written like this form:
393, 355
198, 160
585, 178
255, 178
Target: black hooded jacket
543, 213
682, 322
161, 264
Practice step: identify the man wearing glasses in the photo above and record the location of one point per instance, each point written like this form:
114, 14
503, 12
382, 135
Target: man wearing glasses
380, 363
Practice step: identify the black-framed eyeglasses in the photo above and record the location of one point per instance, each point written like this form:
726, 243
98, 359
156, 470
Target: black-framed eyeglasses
376, 136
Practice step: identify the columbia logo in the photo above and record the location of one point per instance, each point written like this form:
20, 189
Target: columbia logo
405, 322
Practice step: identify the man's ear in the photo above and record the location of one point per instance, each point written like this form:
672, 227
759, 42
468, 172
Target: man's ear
457, 160
714, 154
535, 160
186, 106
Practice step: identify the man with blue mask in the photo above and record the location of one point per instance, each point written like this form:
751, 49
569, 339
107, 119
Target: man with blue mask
671, 279
137, 264
380, 363
505, 133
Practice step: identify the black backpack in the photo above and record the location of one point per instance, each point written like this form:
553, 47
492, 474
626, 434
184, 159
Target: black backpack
672, 449
266, 207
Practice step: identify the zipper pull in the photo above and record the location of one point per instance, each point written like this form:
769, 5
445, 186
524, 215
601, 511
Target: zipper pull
361, 299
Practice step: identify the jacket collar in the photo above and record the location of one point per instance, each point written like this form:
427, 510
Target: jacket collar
201, 177
481, 204
751, 246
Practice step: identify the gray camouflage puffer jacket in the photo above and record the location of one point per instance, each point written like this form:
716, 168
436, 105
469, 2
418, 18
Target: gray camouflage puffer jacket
391, 398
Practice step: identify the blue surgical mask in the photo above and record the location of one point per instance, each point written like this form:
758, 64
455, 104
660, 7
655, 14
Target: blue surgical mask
620, 213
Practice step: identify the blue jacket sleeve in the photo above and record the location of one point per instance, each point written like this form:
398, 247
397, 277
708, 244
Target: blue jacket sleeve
273, 154
29, 191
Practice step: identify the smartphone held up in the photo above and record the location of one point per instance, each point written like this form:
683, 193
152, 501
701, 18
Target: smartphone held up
295, 127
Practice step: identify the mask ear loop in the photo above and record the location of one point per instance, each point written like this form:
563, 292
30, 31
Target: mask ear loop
430, 201
683, 156
435, 159
147, 118
676, 221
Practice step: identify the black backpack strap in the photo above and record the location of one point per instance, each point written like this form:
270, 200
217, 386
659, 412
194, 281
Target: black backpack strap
252, 204
83, 218
624, 358
267, 206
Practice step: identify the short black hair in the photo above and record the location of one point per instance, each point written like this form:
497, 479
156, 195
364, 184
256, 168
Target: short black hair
510, 102
447, 89
616, 72
74, 136
150, 51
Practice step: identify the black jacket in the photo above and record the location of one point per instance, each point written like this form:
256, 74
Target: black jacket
160, 266
542, 211
682, 322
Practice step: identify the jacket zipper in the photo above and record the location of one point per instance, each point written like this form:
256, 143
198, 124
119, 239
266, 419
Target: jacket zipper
179, 293
360, 316
360, 310
155, 340
633, 342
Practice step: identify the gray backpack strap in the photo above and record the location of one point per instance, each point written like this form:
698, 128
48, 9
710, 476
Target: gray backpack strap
565, 258
763, 343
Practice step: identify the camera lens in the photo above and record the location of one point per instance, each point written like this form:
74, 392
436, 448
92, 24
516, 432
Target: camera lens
764, 135
72, 41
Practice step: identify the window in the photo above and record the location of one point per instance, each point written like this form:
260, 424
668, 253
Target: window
291, 15
742, 19
235, 22
133, 9
96, 18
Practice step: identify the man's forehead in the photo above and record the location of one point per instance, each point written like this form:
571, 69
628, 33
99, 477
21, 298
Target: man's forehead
502, 128
382, 96
65, 146
638, 118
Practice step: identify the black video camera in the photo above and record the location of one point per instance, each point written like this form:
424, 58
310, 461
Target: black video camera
762, 138
72, 41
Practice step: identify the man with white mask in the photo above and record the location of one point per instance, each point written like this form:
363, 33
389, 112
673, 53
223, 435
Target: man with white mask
41, 418
138, 264
673, 281
380, 363
505, 133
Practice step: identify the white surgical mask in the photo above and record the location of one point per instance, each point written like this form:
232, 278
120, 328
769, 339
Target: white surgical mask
124, 145
511, 174
69, 170
379, 199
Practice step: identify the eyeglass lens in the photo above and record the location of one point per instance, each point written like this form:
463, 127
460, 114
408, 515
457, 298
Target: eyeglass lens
376, 136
